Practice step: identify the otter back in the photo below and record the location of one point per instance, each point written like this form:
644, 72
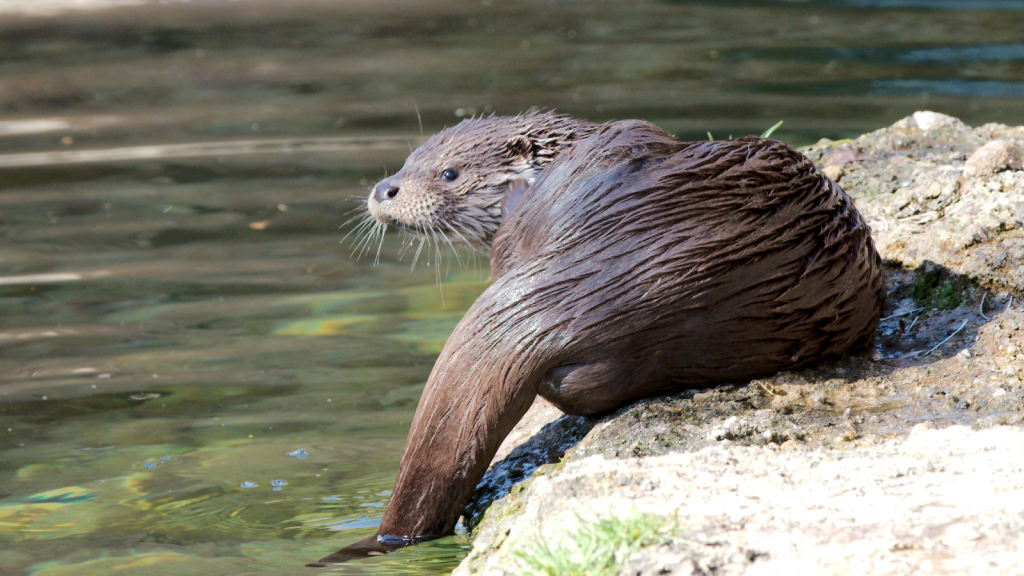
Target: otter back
677, 265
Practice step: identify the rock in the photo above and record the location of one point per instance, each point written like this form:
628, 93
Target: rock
852, 466
841, 156
925, 201
833, 172
922, 428
951, 497
926, 120
993, 157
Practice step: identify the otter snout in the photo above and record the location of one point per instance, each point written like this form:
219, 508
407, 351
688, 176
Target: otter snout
385, 190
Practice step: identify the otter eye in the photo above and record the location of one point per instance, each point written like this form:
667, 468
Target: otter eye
450, 174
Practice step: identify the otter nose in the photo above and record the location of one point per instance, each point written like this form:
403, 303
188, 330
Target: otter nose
384, 191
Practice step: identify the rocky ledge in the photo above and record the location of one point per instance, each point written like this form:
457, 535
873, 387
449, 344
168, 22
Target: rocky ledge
909, 459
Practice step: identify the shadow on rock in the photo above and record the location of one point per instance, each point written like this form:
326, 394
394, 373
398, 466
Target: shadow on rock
547, 446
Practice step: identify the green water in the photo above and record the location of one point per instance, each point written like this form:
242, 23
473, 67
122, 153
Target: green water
177, 323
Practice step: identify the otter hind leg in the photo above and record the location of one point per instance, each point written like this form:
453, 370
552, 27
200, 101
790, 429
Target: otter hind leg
589, 389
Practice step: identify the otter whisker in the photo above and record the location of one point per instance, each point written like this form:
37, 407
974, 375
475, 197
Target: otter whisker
360, 202
416, 256
407, 241
377, 231
461, 237
437, 253
431, 235
437, 264
364, 241
376, 259
358, 231
356, 211
452, 246
370, 241
418, 119
356, 252
428, 233
472, 250
361, 214
357, 240
442, 244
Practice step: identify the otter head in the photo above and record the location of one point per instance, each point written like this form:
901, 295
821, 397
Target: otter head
461, 182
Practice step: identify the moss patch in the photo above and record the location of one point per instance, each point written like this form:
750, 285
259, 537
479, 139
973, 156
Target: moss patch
598, 548
935, 288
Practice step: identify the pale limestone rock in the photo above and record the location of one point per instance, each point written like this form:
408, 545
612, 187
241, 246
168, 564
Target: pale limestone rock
996, 156
834, 172
927, 120
950, 497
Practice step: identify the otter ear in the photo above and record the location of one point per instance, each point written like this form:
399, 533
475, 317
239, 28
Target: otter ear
516, 188
520, 146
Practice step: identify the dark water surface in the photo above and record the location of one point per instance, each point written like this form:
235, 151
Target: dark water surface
195, 377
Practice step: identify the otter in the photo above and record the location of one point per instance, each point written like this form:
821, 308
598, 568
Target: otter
636, 266
464, 179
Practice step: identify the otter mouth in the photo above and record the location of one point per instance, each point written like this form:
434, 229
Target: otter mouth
388, 220
406, 229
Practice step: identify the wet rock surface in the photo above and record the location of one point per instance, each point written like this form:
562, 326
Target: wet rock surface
906, 456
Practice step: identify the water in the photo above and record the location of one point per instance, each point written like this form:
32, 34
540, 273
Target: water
195, 377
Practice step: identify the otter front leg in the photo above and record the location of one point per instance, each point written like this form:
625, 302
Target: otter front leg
484, 380
465, 412
590, 389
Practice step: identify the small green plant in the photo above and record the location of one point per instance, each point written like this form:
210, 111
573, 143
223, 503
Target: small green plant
948, 296
768, 133
924, 286
599, 547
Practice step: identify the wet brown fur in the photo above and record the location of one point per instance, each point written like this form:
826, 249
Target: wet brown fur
490, 155
637, 266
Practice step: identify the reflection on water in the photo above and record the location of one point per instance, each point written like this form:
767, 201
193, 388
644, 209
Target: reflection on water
196, 377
